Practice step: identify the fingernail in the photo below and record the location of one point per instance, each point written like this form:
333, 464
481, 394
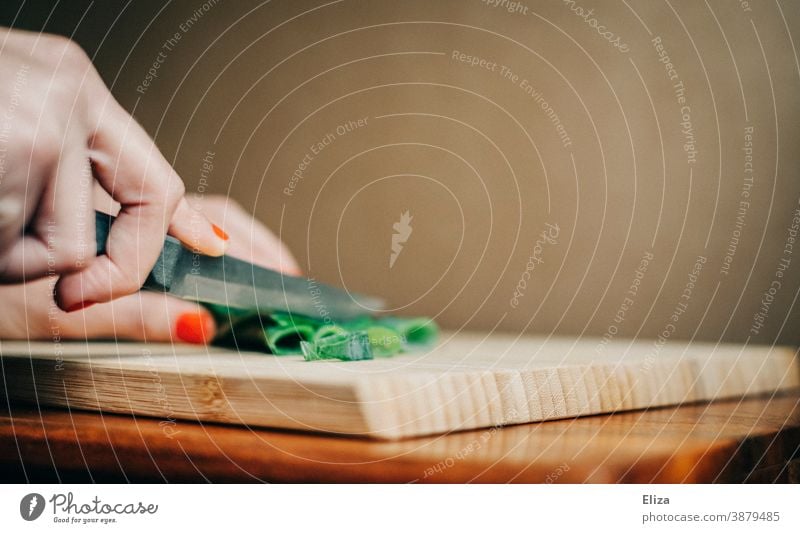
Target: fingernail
195, 328
79, 306
218, 231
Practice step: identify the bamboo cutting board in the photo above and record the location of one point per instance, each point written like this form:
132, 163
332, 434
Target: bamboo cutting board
469, 381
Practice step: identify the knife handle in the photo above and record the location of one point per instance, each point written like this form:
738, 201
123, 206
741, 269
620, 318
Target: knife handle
160, 278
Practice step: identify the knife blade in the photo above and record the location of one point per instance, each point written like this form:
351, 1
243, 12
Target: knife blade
235, 283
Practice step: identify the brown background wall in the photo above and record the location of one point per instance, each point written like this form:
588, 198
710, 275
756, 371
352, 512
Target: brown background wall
476, 161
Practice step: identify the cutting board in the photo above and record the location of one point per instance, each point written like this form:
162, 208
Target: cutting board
469, 380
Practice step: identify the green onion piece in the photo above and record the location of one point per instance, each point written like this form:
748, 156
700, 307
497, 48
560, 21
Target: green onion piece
362, 322
385, 342
227, 317
285, 340
240, 328
293, 319
420, 331
308, 351
227, 312
328, 330
285, 333
346, 347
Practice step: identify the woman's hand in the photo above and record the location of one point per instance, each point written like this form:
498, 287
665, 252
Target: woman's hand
60, 130
29, 311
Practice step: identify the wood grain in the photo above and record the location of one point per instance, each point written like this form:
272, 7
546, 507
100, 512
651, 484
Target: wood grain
468, 381
752, 440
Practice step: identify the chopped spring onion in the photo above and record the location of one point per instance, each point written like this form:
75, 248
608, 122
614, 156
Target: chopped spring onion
385, 342
284, 334
284, 340
413, 330
344, 346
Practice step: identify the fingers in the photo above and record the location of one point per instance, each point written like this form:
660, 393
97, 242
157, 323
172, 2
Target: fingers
47, 77
129, 166
251, 241
143, 316
29, 314
192, 228
63, 115
102, 201
65, 211
61, 235
17, 206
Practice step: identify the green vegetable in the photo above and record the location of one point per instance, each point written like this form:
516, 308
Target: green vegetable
328, 330
345, 346
385, 342
287, 334
413, 330
283, 340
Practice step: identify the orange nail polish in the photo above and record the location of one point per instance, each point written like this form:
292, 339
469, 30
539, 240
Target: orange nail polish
218, 231
79, 306
194, 328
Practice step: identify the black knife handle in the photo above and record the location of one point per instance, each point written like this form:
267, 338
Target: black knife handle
162, 275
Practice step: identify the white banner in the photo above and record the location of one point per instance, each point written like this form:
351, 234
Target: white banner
406, 508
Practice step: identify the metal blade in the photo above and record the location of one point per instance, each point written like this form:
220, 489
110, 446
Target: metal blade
235, 283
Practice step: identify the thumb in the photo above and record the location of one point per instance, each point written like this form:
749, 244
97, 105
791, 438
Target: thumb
147, 316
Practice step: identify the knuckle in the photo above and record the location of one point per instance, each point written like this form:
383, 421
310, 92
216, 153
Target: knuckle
177, 189
126, 282
76, 55
70, 66
41, 144
67, 90
64, 50
69, 257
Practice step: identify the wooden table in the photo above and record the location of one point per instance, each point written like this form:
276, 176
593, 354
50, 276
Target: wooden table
754, 440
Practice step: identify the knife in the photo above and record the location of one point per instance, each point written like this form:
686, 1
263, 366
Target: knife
235, 283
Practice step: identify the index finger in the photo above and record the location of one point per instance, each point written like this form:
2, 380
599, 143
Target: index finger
130, 167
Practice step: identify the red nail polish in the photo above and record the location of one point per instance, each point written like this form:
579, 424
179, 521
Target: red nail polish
79, 306
194, 328
218, 231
